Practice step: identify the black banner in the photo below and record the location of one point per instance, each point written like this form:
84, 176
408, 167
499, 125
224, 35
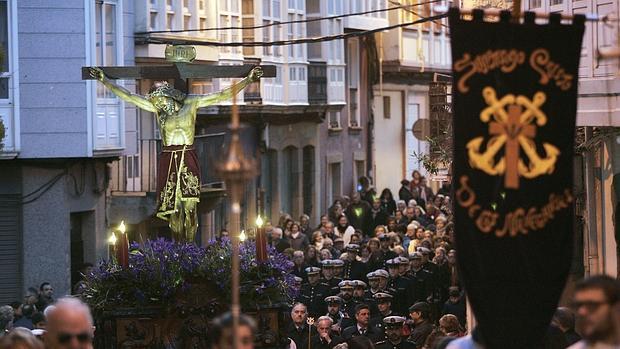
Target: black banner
515, 99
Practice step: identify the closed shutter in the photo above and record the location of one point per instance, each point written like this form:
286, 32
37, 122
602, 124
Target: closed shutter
10, 249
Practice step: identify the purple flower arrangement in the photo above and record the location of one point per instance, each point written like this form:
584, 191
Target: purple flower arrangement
159, 270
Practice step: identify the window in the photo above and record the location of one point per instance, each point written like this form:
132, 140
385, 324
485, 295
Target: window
360, 168
187, 22
334, 119
266, 38
201, 5
107, 124
335, 183
201, 86
203, 23
387, 107
153, 20
4, 42
556, 2
308, 179
535, 3
170, 21
290, 185
354, 117
277, 50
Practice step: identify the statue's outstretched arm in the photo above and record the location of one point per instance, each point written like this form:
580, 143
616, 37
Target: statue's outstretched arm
226, 94
122, 92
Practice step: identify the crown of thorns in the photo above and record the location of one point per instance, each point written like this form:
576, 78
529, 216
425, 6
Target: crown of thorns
163, 89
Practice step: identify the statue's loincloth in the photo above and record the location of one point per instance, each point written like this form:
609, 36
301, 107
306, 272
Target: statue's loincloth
178, 178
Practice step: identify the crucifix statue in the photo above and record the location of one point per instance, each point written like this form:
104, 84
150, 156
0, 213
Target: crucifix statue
178, 173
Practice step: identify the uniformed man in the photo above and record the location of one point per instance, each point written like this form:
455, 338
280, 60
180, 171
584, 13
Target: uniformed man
334, 311
435, 295
393, 331
404, 265
401, 284
384, 309
353, 269
338, 268
359, 289
373, 283
421, 286
329, 278
313, 293
346, 293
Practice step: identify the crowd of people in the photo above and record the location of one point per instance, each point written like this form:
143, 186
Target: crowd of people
376, 263
379, 271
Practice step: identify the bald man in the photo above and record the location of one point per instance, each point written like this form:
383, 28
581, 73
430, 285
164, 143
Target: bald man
69, 325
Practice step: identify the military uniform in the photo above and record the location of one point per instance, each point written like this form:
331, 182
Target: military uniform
395, 323
386, 344
402, 286
354, 270
313, 296
377, 318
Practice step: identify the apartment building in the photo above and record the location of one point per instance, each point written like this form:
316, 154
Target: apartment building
597, 161
412, 57
61, 134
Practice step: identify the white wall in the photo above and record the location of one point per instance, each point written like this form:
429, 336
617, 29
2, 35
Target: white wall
388, 150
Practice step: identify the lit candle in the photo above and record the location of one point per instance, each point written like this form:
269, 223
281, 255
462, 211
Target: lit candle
122, 251
112, 245
261, 241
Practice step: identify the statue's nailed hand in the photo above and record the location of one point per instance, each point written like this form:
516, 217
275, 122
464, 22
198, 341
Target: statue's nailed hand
97, 73
256, 73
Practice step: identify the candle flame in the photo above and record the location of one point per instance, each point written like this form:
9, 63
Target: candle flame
122, 227
259, 221
242, 236
112, 239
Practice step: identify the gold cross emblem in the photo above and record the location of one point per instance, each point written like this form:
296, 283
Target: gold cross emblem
511, 128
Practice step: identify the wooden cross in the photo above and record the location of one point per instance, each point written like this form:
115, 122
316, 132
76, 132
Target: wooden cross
512, 129
180, 72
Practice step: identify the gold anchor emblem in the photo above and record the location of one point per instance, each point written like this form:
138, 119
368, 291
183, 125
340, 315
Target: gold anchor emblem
512, 130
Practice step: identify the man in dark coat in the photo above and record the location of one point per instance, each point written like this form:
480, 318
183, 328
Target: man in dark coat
421, 279
329, 279
384, 309
420, 313
405, 192
339, 318
358, 213
362, 326
298, 330
378, 216
325, 338
402, 285
353, 269
346, 293
394, 333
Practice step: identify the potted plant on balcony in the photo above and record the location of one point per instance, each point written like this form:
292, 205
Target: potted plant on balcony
171, 290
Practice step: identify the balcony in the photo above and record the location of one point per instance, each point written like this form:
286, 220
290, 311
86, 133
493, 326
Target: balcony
137, 173
317, 83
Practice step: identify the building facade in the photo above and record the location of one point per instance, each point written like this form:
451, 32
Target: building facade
61, 134
597, 161
411, 58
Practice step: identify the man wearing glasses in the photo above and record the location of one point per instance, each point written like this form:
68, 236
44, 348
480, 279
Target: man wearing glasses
597, 306
69, 325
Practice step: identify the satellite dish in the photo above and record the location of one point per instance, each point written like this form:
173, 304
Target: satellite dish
421, 129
